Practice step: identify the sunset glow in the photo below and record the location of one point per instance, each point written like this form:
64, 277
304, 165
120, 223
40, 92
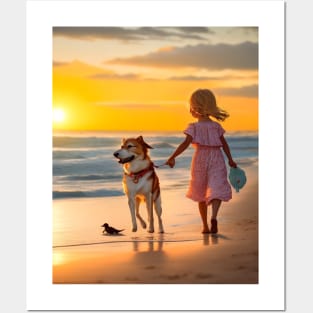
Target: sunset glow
58, 115
114, 78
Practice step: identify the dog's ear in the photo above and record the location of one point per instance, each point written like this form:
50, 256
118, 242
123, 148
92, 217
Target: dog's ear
140, 139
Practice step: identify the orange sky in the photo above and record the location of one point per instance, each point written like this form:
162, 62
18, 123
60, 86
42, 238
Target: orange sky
142, 78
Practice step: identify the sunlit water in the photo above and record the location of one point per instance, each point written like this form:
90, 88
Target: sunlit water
87, 188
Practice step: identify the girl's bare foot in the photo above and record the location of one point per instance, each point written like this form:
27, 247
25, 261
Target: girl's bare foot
205, 230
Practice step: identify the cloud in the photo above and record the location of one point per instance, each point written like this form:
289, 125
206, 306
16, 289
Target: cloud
251, 91
57, 63
191, 78
215, 78
114, 76
253, 30
139, 105
82, 69
215, 57
131, 33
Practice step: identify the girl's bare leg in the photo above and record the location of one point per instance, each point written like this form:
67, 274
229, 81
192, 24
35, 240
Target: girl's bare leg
203, 209
216, 203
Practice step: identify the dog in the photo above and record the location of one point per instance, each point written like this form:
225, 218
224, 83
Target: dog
140, 182
110, 230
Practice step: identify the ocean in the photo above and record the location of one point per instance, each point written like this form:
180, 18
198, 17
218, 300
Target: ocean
84, 165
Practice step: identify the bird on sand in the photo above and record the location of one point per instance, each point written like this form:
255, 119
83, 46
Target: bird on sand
111, 230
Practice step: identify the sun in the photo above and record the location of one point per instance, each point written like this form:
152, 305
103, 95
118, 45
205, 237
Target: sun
58, 115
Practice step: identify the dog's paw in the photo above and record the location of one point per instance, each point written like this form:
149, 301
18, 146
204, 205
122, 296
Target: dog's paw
144, 225
151, 230
134, 229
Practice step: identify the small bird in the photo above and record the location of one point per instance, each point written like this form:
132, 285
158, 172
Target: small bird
110, 230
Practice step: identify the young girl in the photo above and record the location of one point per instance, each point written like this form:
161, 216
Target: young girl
208, 184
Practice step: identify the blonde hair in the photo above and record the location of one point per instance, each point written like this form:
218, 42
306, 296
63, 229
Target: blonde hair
203, 104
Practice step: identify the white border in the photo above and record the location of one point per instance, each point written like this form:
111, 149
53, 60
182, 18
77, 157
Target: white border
269, 294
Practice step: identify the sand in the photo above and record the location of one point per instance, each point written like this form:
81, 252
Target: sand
82, 254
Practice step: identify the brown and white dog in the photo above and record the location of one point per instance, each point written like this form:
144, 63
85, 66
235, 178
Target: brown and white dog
140, 181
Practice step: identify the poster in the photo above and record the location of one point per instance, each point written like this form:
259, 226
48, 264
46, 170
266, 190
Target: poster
97, 74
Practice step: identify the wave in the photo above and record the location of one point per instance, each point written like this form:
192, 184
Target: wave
90, 177
85, 167
68, 155
84, 142
162, 145
86, 194
96, 166
82, 154
242, 134
248, 161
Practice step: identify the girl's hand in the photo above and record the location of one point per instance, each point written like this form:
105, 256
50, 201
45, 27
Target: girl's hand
232, 163
171, 162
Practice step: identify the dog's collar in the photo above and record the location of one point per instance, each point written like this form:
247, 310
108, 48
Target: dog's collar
136, 176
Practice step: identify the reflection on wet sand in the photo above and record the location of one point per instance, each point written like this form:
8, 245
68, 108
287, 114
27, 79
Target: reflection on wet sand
150, 250
213, 239
149, 259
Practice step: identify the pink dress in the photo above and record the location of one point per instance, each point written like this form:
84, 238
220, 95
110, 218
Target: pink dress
208, 169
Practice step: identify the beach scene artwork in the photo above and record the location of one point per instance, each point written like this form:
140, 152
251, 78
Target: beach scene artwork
111, 83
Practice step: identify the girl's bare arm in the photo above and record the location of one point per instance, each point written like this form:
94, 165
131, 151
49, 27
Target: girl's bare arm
227, 152
180, 149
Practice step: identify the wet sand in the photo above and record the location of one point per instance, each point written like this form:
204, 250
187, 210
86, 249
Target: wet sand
82, 254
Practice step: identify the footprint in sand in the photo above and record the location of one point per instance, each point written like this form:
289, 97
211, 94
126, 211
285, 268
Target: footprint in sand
241, 267
175, 276
204, 275
151, 267
131, 279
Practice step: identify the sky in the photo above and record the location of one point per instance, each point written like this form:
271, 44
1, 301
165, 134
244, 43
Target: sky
141, 78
